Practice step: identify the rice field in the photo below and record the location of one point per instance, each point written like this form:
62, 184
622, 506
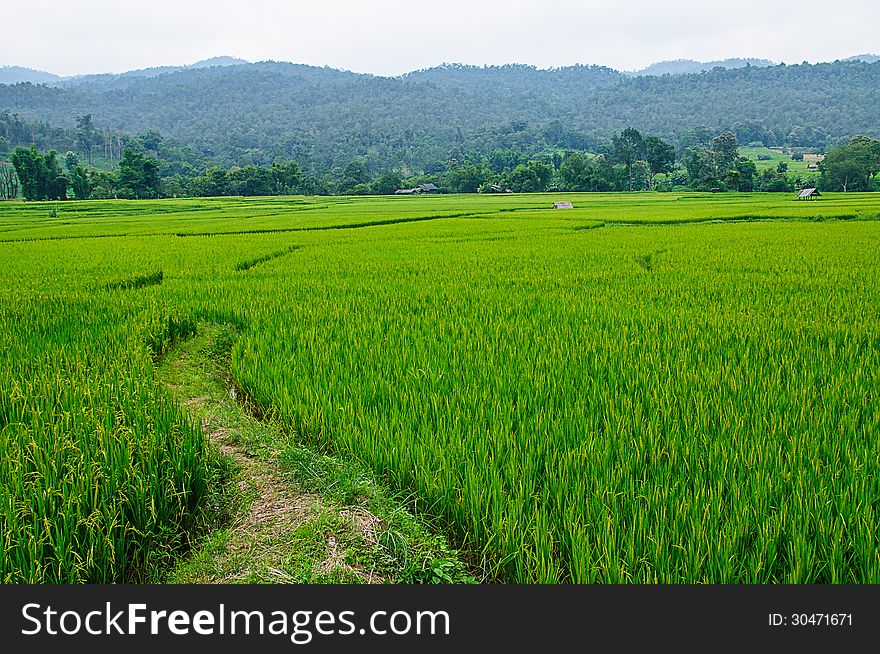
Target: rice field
646, 388
798, 168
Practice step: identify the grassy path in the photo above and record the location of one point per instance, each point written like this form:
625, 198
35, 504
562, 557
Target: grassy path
286, 513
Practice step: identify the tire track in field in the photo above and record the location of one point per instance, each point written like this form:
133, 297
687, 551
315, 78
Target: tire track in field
267, 230
322, 228
672, 222
247, 264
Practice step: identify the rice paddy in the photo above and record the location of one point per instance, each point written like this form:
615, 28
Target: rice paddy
646, 388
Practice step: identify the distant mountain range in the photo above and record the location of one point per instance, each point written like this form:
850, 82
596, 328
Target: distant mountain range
866, 58
689, 66
230, 112
16, 74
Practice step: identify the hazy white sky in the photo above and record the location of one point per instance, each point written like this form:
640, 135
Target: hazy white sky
394, 36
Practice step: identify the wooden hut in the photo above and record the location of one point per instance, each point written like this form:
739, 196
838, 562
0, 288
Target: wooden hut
809, 194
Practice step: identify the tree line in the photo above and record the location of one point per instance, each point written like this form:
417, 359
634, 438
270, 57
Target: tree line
852, 167
43, 178
633, 162
325, 119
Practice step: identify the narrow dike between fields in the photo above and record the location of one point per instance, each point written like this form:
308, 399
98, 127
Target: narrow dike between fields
287, 513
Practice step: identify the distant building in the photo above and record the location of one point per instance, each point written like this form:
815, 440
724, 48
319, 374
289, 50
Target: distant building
809, 194
497, 188
562, 205
421, 188
812, 166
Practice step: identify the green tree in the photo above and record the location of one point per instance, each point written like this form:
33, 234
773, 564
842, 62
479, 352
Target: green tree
40, 175
138, 175
746, 172
868, 151
28, 164
104, 185
56, 181
842, 172
467, 179
150, 140
354, 178
660, 157
774, 181
214, 183
851, 167
286, 178
531, 177
360, 189
806, 136
175, 187
640, 175
580, 172
80, 183
753, 131
627, 148
8, 182
356, 172
694, 139
574, 173
71, 161
386, 184
725, 149
250, 181
702, 168
503, 160
86, 135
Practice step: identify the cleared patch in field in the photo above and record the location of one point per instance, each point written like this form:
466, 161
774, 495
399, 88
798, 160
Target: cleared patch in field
137, 281
247, 264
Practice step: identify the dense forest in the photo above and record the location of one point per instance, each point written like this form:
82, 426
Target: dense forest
635, 162
270, 128
256, 114
687, 66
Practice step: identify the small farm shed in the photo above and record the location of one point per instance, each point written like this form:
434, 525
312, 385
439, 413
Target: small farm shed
562, 205
421, 188
809, 194
812, 166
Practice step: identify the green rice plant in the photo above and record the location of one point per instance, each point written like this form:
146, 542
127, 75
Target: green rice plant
164, 335
102, 476
555, 410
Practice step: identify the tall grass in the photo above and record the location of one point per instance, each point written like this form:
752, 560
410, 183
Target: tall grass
694, 402
101, 475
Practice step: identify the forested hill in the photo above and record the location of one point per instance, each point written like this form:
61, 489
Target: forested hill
256, 113
686, 66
